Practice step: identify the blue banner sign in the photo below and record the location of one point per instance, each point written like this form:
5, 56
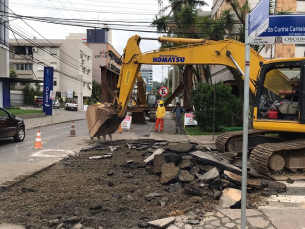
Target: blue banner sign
283, 29
47, 87
258, 19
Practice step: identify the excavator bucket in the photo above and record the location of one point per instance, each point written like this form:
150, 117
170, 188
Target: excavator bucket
102, 120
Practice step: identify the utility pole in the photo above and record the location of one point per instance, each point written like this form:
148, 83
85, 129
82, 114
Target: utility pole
174, 82
168, 77
4, 55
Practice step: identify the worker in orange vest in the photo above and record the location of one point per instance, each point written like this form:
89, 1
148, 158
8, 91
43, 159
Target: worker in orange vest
160, 116
120, 129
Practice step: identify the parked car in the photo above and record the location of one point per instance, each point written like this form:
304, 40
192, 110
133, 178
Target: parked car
56, 104
71, 105
38, 101
11, 126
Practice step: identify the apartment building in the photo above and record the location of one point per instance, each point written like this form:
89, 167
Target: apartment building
70, 58
103, 53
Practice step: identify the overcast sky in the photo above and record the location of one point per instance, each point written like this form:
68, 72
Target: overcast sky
104, 10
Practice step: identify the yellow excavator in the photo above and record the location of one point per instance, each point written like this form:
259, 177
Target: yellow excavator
279, 155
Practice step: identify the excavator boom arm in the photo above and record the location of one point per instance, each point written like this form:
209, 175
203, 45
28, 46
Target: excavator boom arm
196, 52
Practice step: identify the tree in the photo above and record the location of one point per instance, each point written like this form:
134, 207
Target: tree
29, 94
96, 95
37, 89
13, 74
227, 106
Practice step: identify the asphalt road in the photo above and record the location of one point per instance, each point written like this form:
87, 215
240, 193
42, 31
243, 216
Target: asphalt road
22, 159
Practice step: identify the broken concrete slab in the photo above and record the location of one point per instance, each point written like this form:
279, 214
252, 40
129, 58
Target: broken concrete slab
100, 157
237, 180
185, 176
274, 185
151, 157
185, 164
208, 158
229, 197
152, 195
180, 148
173, 187
162, 223
169, 173
210, 175
159, 160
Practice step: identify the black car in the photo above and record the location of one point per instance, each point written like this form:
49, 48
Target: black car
10, 126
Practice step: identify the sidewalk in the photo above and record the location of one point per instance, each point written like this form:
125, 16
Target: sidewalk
59, 116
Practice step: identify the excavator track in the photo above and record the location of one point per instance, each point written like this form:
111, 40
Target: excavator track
268, 156
223, 139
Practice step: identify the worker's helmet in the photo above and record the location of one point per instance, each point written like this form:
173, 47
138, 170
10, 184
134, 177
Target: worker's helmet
98, 103
161, 102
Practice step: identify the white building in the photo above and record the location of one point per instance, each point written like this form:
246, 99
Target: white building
70, 58
147, 75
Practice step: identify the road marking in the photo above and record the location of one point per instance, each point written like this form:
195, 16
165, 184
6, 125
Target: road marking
53, 153
16, 150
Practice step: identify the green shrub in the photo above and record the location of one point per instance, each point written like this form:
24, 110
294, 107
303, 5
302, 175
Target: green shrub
228, 106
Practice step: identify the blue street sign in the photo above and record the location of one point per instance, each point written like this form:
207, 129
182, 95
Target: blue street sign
149, 88
258, 19
283, 29
47, 87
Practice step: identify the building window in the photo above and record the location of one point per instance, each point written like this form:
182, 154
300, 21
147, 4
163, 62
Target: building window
53, 50
24, 50
54, 83
24, 66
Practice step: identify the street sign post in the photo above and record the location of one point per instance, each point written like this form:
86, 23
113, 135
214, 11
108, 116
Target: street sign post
283, 29
163, 91
256, 22
47, 87
258, 19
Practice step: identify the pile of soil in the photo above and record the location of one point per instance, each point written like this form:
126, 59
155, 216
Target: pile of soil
117, 191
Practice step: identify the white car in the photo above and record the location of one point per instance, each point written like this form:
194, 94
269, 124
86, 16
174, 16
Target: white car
56, 104
71, 106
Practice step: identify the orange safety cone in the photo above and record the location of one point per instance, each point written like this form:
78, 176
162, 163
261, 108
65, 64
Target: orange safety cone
38, 144
120, 129
72, 131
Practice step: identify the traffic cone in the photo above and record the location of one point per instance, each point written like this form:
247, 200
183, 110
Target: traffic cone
120, 129
38, 144
72, 131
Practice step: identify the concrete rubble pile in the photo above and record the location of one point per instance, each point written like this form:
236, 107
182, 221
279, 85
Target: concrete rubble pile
204, 172
211, 179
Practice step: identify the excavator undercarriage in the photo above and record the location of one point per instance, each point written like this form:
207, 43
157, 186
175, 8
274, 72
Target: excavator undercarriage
270, 154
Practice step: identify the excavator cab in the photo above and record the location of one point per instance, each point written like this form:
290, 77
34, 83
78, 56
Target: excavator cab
271, 105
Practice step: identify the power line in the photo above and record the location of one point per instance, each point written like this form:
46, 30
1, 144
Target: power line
45, 39
81, 10
60, 11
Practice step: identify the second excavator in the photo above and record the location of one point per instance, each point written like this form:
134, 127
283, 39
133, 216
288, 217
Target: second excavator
277, 155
